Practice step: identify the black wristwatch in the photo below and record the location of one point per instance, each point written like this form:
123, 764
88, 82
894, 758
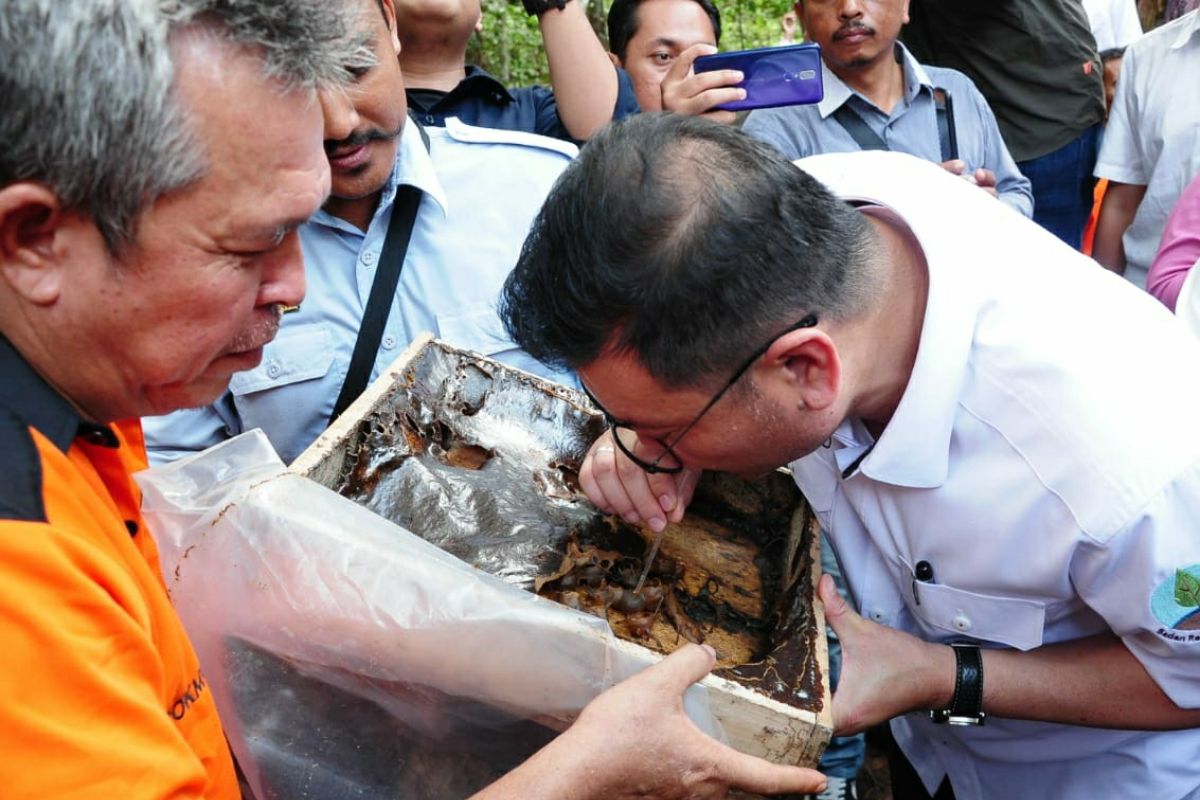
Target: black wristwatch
966, 707
536, 8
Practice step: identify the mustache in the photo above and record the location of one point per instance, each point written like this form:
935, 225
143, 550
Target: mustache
854, 26
260, 332
357, 139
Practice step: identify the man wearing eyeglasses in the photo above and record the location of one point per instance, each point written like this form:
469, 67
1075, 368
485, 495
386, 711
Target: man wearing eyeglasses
949, 384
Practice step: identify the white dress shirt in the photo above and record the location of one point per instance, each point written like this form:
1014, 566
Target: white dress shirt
481, 189
1152, 138
1114, 23
1045, 460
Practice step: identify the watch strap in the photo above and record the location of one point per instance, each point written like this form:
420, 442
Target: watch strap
536, 8
966, 706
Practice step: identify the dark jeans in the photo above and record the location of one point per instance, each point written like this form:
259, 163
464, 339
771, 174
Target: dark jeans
1062, 186
906, 784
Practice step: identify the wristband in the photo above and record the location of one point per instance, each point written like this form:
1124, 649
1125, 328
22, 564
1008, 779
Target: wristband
535, 8
966, 706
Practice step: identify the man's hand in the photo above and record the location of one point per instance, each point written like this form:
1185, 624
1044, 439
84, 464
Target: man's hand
616, 485
885, 672
640, 743
686, 92
983, 178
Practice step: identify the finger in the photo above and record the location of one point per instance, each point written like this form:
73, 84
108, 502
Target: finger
707, 100
954, 166
683, 64
622, 486
755, 775
684, 486
985, 177
717, 79
687, 665
591, 486
835, 604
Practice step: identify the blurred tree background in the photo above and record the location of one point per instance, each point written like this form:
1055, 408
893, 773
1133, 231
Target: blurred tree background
510, 45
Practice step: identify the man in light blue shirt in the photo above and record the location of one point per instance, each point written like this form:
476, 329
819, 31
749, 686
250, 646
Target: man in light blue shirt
480, 190
867, 72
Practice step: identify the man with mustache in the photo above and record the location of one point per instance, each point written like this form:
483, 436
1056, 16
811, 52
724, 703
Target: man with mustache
478, 190
878, 97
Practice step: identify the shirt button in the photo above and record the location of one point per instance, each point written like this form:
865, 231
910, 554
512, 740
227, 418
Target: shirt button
368, 258
273, 370
389, 342
877, 615
961, 622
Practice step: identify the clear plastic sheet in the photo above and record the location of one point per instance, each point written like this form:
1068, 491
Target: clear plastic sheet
350, 658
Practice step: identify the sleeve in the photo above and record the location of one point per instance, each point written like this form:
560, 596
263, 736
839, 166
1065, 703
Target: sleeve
190, 430
82, 677
1179, 249
1013, 188
1121, 157
627, 103
1127, 26
548, 123
1145, 583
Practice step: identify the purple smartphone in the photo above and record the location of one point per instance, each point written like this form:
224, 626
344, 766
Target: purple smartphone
774, 76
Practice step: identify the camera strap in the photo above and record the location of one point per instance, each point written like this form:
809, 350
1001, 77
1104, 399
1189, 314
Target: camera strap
383, 289
867, 139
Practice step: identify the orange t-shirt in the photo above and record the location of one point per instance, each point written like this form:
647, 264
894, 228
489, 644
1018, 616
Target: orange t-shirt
103, 693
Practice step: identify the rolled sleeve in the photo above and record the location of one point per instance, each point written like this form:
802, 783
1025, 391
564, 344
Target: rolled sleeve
1121, 158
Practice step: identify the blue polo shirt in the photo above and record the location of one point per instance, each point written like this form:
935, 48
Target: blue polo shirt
480, 99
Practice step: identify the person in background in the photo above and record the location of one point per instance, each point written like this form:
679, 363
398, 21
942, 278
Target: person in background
1179, 249
971, 443
1150, 149
585, 91
1111, 59
878, 97
657, 41
1037, 64
789, 24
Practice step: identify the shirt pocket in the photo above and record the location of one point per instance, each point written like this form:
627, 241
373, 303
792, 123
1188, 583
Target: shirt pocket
1015, 622
297, 354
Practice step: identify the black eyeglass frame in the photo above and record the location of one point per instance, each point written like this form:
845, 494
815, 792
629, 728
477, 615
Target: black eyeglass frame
655, 467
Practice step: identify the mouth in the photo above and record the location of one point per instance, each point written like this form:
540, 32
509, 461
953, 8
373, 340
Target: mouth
853, 34
349, 158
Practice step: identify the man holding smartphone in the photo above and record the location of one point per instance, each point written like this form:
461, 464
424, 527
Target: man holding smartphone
878, 97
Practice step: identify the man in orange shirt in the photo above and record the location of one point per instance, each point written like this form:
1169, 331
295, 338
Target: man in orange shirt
156, 158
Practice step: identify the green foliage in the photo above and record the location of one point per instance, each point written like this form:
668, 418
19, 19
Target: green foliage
510, 45
1187, 589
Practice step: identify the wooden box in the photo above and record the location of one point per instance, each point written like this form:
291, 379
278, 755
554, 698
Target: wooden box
480, 459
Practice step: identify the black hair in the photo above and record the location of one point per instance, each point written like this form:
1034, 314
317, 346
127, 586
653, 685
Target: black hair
623, 23
685, 243
1108, 54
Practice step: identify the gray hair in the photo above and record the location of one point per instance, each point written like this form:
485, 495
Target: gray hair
86, 89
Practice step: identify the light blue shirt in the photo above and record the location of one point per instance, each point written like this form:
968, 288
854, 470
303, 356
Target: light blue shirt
481, 190
800, 131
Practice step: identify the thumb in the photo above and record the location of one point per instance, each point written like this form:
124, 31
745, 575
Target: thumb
685, 666
755, 775
838, 613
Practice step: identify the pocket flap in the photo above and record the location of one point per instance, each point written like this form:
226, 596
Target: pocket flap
1011, 621
297, 354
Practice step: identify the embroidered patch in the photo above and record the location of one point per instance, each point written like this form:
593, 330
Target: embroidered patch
1176, 601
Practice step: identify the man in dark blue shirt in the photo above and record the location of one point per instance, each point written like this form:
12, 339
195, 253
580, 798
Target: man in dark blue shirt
586, 90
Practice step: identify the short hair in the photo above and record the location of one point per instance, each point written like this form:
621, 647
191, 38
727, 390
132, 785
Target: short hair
87, 88
1111, 53
623, 23
686, 244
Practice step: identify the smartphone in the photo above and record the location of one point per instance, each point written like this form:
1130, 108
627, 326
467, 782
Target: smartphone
774, 76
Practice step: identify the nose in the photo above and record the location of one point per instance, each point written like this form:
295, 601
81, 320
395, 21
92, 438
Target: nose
283, 274
341, 118
850, 9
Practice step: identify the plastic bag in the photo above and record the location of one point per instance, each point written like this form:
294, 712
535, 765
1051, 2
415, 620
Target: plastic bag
350, 658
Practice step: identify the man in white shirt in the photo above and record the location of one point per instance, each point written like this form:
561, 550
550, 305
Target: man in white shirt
964, 435
1114, 23
1151, 149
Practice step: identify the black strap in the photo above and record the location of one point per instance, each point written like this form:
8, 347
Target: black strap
867, 139
383, 289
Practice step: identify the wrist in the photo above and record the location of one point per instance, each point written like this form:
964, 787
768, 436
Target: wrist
535, 8
940, 679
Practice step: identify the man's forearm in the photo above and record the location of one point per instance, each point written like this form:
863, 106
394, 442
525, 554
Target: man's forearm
1094, 682
1121, 201
582, 76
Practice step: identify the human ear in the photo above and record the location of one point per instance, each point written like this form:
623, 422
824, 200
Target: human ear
32, 225
616, 61
389, 18
811, 364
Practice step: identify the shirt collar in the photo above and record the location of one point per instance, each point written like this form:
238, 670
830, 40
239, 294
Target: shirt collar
26, 395
480, 81
1187, 30
837, 92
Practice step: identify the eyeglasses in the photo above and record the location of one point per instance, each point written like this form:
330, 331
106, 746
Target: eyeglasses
664, 459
